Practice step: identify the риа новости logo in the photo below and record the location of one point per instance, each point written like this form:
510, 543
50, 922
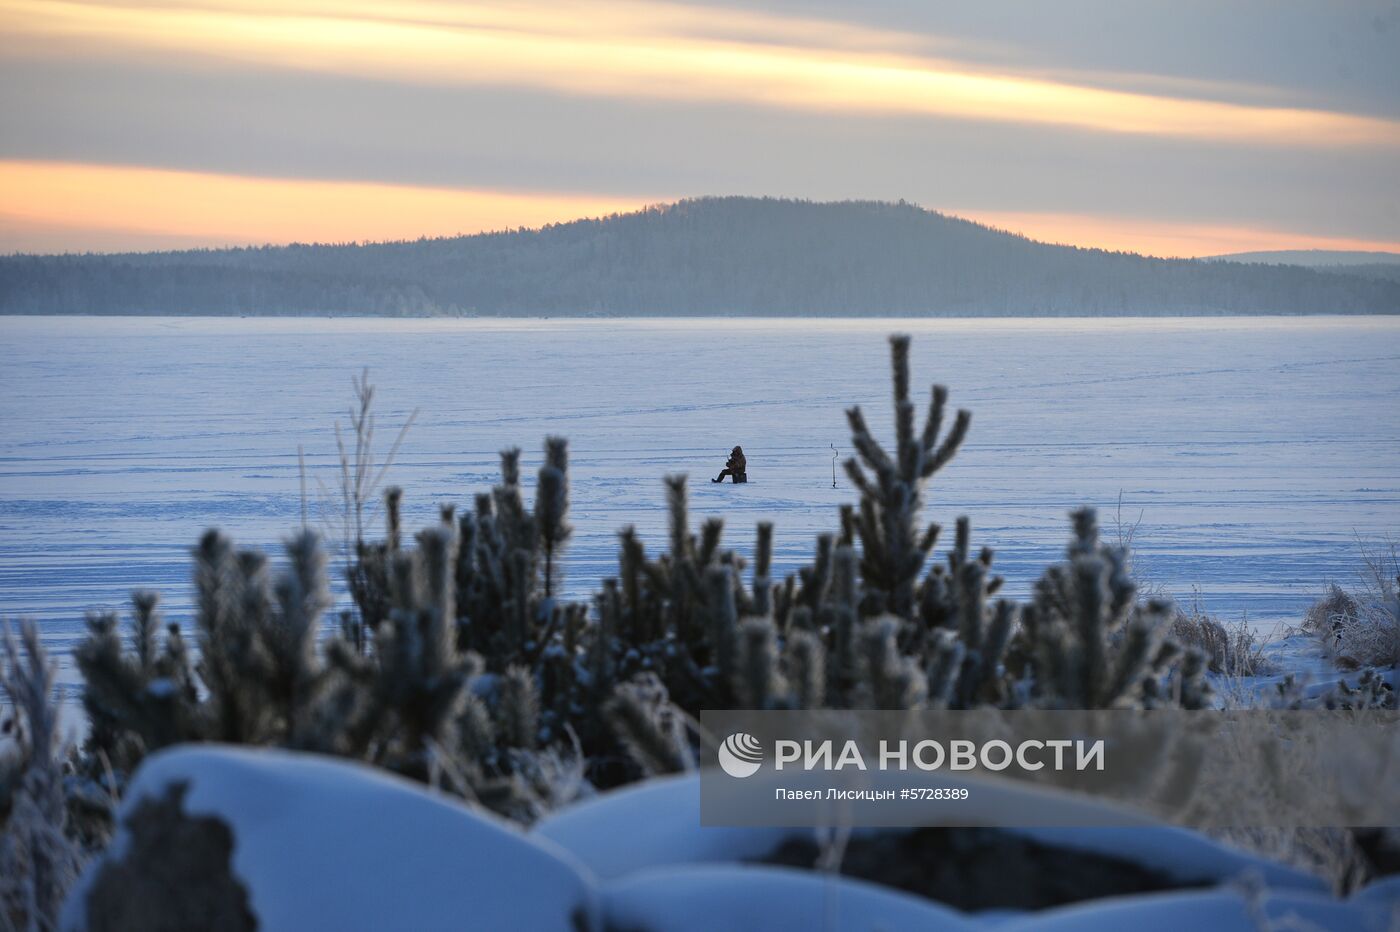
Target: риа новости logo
740, 755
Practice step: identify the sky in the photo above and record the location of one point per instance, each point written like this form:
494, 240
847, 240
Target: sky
1181, 128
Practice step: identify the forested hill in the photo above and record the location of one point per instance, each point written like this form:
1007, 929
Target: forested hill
742, 256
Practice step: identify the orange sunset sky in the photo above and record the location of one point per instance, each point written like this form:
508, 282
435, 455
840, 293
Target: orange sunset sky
1184, 128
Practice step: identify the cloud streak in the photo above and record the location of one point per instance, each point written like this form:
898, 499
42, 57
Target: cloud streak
664, 52
1163, 238
1181, 127
105, 207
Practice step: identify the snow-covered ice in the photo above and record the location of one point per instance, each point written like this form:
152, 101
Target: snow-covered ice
1256, 450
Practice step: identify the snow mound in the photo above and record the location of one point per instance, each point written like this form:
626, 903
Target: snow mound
652, 824
330, 844
657, 823
1215, 910
1381, 894
702, 899
1187, 856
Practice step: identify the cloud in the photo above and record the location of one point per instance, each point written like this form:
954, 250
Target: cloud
1163, 238
95, 207
1172, 126
667, 52
1307, 53
293, 124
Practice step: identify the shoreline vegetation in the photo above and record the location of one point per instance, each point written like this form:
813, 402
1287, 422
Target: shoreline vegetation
458, 668
718, 256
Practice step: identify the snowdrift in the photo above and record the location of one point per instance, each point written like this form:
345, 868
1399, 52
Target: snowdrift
323, 843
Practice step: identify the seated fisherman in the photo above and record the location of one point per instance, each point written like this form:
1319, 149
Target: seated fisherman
736, 467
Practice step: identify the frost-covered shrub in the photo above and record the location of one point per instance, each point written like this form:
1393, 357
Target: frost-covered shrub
459, 664
39, 857
1322, 615
1230, 649
1089, 643
891, 485
1362, 627
405, 692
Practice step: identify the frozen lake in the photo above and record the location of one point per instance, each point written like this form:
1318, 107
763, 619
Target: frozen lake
1255, 450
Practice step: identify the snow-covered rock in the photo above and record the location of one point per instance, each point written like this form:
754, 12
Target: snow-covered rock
324, 843
708, 897
1214, 910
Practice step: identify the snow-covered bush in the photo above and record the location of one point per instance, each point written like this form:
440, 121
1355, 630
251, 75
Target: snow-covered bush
39, 857
459, 665
1362, 627
1088, 642
1335, 603
458, 661
1231, 649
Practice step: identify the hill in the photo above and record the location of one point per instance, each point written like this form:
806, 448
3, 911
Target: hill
1313, 258
738, 256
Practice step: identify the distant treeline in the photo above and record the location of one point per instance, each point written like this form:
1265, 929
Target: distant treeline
740, 256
